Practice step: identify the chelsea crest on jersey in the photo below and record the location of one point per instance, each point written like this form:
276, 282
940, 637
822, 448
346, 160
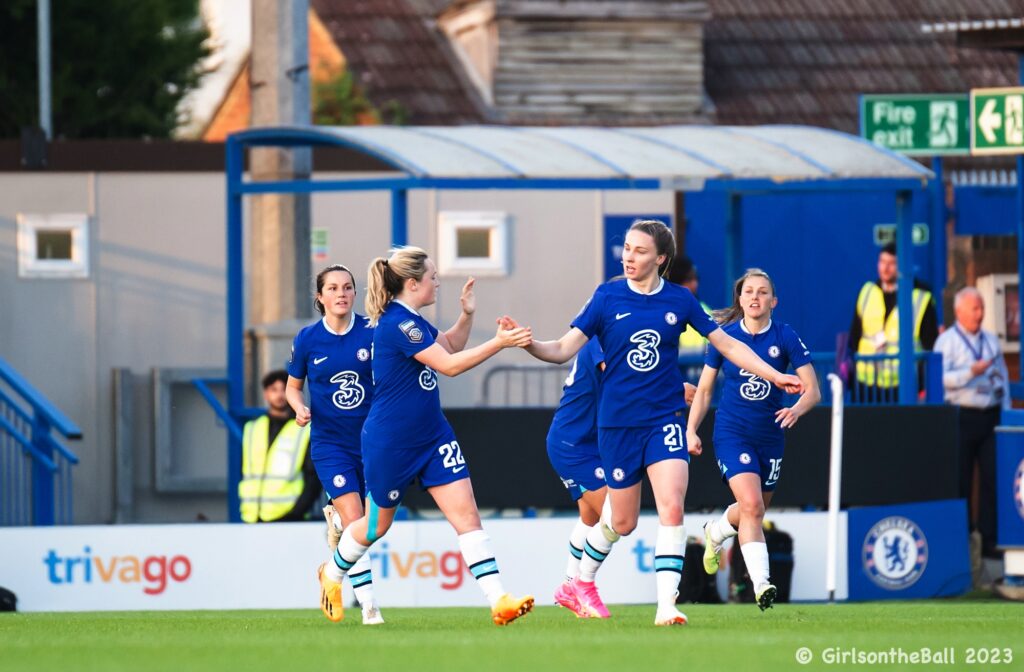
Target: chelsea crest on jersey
639, 334
337, 367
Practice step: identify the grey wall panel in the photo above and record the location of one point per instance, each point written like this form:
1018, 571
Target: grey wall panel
155, 297
48, 330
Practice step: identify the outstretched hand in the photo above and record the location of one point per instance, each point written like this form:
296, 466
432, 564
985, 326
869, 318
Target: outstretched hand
786, 417
789, 383
511, 335
468, 298
693, 443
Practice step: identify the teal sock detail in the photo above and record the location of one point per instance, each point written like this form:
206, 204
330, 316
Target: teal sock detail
371, 519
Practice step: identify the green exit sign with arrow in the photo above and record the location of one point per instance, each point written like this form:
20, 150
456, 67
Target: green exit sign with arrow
997, 124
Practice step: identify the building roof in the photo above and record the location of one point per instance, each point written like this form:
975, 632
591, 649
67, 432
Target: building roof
679, 156
399, 56
806, 61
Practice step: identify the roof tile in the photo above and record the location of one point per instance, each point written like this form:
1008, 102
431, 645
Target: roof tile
396, 52
808, 60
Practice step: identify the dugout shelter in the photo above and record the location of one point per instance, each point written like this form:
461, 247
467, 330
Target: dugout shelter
725, 172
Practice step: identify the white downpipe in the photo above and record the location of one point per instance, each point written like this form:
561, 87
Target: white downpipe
834, 481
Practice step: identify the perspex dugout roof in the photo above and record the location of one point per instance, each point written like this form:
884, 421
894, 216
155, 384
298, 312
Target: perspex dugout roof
677, 156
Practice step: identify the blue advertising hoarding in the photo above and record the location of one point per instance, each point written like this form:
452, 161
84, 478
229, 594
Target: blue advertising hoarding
908, 551
1010, 486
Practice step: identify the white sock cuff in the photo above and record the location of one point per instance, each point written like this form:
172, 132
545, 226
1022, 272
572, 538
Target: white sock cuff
578, 537
362, 564
605, 522
349, 550
673, 536
606, 514
473, 539
724, 526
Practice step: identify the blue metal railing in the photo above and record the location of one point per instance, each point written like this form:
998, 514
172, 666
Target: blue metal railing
234, 424
35, 469
929, 365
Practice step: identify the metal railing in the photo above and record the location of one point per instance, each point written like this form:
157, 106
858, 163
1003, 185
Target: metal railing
530, 385
929, 371
35, 468
540, 385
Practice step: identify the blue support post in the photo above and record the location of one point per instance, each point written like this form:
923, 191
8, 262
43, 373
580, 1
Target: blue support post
1020, 195
937, 189
934, 390
399, 217
236, 317
904, 299
42, 477
733, 242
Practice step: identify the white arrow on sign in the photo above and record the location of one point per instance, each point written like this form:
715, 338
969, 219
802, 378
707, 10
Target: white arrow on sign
989, 120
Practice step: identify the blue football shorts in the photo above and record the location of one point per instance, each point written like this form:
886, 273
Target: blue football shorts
741, 453
390, 469
627, 451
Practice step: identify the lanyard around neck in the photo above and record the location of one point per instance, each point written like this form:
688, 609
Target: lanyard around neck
981, 343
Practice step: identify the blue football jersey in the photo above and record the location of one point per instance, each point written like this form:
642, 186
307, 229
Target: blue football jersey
639, 334
337, 368
407, 404
748, 402
575, 420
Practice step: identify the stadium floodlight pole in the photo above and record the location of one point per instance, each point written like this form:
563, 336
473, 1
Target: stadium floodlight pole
43, 35
835, 472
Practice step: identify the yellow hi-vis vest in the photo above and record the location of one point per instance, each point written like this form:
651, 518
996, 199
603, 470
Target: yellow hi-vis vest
875, 326
272, 478
690, 341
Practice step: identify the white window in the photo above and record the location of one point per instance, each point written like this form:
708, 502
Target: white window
473, 243
53, 246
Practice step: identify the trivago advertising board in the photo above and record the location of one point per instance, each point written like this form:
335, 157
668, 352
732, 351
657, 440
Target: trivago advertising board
274, 566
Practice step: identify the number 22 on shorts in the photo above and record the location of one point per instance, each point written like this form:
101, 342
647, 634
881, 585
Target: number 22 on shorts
452, 457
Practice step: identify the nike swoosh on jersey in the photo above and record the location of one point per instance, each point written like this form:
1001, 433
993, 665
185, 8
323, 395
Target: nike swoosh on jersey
458, 469
676, 449
317, 361
619, 316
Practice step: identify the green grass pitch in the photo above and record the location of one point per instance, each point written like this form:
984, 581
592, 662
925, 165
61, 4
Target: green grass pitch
719, 637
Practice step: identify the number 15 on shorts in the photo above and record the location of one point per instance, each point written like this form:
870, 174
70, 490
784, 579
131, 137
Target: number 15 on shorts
452, 458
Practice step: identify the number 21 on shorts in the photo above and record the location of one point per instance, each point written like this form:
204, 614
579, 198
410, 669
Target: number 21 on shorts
674, 437
452, 458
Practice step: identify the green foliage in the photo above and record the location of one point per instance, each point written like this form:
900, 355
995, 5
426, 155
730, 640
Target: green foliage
119, 67
339, 101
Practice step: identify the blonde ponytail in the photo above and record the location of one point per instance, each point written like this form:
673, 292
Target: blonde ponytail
386, 277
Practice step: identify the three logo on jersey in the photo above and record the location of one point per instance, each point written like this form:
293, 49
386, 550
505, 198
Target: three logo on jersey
349, 393
645, 357
428, 379
756, 388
